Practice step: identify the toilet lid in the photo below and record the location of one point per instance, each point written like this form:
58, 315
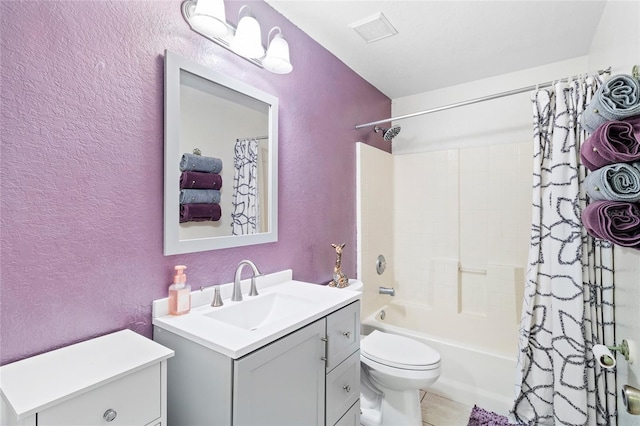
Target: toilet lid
398, 351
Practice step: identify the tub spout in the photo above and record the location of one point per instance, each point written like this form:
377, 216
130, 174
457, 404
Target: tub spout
387, 290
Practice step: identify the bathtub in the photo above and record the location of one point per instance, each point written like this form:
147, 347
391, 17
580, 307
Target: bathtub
470, 375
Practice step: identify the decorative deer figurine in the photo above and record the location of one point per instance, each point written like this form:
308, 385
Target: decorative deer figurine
340, 280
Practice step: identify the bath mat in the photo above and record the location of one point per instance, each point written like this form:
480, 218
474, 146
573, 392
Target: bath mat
481, 417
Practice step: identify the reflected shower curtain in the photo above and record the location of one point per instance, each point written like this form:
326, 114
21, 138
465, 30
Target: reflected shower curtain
568, 297
245, 217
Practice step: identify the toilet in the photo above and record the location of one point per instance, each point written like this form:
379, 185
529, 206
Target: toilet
393, 370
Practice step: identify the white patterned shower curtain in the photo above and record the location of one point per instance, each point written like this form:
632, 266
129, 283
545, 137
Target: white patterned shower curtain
245, 218
568, 297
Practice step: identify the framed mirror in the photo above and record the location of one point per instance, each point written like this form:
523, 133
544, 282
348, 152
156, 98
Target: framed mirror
220, 160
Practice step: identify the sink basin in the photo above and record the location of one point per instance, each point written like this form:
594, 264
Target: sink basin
261, 311
238, 328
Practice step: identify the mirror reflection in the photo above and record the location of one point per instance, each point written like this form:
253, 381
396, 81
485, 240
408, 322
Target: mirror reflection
220, 160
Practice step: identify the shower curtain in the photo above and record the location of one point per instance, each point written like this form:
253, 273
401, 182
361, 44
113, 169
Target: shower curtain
568, 298
245, 217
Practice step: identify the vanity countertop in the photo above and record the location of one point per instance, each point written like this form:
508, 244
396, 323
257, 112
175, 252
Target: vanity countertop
293, 304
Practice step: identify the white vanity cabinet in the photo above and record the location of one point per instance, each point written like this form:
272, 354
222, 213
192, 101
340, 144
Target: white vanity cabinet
308, 377
117, 379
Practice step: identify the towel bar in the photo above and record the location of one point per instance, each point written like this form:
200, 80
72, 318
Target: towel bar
473, 271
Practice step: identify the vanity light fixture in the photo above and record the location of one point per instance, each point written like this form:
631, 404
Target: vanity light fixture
207, 18
277, 58
248, 40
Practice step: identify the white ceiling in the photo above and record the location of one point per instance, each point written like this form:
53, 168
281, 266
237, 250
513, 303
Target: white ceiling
444, 43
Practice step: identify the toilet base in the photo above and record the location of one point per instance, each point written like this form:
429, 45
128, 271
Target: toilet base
401, 408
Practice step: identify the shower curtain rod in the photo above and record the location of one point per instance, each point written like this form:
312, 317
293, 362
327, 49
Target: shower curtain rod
258, 138
472, 101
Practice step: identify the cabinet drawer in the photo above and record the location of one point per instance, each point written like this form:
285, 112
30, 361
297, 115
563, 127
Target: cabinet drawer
343, 332
351, 417
135, 399
343, 387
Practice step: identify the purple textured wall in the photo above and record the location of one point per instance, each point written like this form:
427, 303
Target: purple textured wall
82, 151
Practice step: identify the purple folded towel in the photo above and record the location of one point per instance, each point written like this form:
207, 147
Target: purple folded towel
200, 212
612, 142
198, 180
614, 221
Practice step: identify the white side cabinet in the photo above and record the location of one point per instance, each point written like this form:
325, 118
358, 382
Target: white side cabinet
310, 377
117, 379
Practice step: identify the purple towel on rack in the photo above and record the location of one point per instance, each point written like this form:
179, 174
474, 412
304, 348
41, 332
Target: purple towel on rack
198, 180
200, 212
614, 221
616, 99
613, 142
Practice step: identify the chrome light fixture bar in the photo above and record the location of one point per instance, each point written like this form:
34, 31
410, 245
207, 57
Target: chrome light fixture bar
207, 18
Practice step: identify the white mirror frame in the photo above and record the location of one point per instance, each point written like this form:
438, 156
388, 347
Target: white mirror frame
172, 242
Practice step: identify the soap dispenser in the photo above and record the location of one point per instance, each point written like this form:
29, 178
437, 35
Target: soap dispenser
179, 293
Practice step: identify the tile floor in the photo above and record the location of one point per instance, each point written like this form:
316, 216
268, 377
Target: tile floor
440, 411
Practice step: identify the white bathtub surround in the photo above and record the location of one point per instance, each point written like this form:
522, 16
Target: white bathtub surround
374, 223
445, 272
494, 293
568, 303
449, 211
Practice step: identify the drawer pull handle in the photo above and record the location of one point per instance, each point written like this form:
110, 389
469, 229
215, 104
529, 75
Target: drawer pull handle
323, 358
324, 339
110, 415
347, 334
347, 388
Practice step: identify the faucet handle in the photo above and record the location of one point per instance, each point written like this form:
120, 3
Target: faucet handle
217, 299
254, 291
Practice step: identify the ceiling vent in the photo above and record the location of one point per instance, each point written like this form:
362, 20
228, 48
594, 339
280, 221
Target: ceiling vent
374, 28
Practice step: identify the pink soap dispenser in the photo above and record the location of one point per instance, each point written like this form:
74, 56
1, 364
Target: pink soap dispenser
179, 293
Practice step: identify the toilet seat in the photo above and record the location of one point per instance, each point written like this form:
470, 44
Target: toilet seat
399, 352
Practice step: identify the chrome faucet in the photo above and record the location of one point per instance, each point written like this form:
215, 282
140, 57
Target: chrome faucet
386, 290
237, 288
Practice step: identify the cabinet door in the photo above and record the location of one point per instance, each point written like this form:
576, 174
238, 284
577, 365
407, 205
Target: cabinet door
343, 332
283, 383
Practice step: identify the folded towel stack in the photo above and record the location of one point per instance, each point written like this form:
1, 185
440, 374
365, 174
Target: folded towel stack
200, 184
200, 163
616, 99
200, 212
612, 155
615, 182
198, 180
612, 142
614, 221
199, 196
